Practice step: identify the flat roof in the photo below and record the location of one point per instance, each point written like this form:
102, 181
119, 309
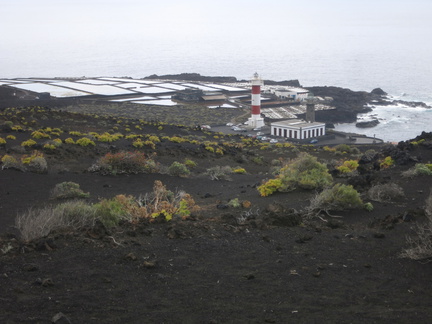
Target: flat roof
296, 123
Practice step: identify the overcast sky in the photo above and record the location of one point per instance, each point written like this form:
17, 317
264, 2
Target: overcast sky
111, 36
89, 18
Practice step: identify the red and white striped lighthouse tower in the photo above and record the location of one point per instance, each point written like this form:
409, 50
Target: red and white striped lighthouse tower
256, 121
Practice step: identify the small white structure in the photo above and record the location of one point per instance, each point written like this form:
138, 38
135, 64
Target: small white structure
297, 94
297, 129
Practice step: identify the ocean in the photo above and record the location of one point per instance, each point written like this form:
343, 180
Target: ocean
360, 54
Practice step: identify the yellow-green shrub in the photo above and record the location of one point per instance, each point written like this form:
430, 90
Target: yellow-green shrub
40, 134
69, 140
239, 170
348, 166
84, 141
28, 143
138, 143
270, 187
387, 162
189, 163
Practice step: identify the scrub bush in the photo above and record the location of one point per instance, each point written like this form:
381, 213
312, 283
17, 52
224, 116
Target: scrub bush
178, 169
36, 223
348, 166
387, 162
68, 189
304, 172
421, 243
219, 173
84, 141
270, 187
10, 162
28, 143
190, 164
339, 197
385, 192
239, 170
125, 163
418, 170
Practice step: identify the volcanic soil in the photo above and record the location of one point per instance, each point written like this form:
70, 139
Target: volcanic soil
261, 264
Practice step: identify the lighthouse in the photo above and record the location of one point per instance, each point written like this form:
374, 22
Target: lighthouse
256, 121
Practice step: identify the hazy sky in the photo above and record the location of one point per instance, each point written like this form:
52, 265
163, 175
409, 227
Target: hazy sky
112, 35
82, 19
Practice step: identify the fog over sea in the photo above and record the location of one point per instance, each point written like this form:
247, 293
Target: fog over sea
378, 43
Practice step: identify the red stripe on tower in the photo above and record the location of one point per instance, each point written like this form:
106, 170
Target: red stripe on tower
256, 89
256, 110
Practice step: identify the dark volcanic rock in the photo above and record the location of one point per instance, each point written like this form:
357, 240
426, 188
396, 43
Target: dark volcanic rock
379, 92
192, 77
367, 124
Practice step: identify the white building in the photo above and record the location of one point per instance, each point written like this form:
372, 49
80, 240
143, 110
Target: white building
297, 129
297, 94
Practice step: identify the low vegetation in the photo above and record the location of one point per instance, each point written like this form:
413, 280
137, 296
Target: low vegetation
337, 198
420, 244
304, 172
78, 214
125, 163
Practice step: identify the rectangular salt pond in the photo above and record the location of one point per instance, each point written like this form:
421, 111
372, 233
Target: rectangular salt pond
130, 80
222, 106
52, 89
172, 86
153, 90
134, 99
158, 102
199, 86
225, 87
130, 85
105, 90
97, 82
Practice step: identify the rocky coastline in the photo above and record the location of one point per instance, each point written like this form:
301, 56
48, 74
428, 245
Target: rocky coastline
347, 103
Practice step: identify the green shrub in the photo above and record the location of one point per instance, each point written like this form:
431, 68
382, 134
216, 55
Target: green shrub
235, 203
2, 141
418, 170
368, 206
387, 162
339, 197
304, 172
110, 212
343, 148
190, 164
178, 169
68, 189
